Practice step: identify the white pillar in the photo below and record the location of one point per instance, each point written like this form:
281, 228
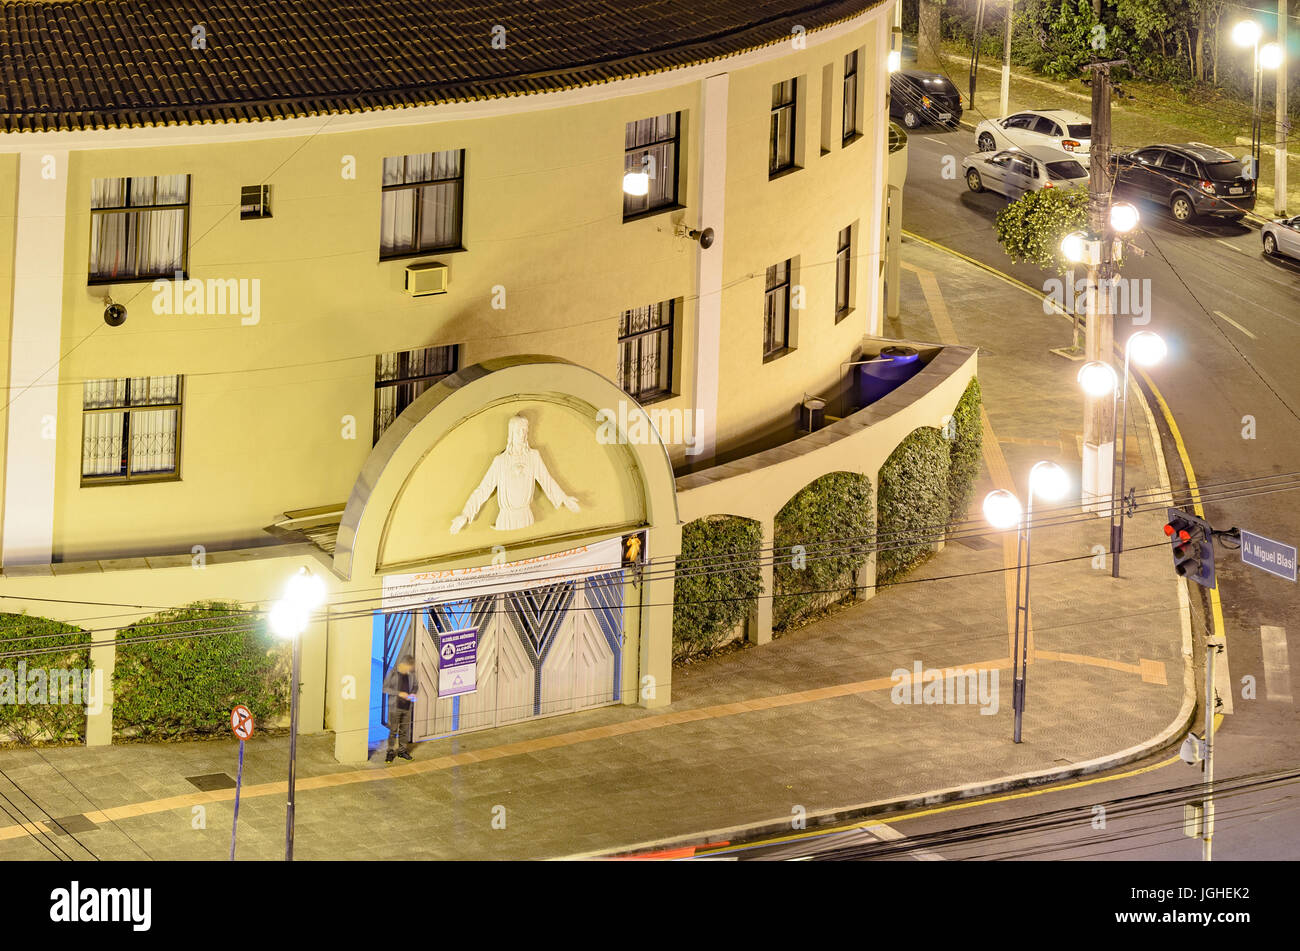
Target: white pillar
708, 314
879, 179
28, 537
1280, 139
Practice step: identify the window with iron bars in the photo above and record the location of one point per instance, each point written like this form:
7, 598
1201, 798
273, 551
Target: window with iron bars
652, 146
645, 351
131, 429
403, 375
422, 203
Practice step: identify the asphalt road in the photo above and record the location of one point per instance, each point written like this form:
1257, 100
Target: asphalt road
1221, 369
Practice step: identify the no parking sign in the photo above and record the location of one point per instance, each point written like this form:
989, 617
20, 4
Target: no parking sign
241, 721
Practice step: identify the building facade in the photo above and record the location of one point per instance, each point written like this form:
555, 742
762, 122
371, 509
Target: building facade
448, 342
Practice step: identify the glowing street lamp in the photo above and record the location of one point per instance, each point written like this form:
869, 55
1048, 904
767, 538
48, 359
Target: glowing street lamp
1049, 482
1247, 33
636, 184
288, 618
1123, 217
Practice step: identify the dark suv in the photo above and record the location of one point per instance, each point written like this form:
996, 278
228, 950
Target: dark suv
918, 97
1190, 179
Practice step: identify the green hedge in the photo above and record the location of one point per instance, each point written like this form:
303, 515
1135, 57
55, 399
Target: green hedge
913, 502
187, 685
718, 581
37, 719
833, 521
965, 449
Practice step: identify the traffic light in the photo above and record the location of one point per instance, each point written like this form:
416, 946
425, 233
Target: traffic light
1192, 539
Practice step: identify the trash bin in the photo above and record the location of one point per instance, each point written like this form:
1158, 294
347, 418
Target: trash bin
880, 378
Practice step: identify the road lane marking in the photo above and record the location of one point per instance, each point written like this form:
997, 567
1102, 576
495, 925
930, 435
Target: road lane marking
1222, 316
886, 834
1229, 244
1277, 668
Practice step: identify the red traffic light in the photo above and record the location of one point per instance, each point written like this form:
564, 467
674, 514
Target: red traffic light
1169, 530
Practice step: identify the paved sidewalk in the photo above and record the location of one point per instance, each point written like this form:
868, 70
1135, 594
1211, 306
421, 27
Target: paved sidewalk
805, 722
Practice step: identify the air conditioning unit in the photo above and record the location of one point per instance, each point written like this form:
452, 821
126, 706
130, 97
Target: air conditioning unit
426, 278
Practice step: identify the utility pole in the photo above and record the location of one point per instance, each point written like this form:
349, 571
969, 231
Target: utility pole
1207, 815
1283, 122
1099, 325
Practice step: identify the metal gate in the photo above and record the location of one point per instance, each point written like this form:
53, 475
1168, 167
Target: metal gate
542, 651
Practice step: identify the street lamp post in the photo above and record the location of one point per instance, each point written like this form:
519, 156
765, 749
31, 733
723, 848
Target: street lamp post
1099, 379
1002, 510
1269, 56
288, 618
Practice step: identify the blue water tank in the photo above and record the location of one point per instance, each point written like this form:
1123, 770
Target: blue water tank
879, 378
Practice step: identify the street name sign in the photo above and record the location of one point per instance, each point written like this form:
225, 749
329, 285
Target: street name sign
1268, 555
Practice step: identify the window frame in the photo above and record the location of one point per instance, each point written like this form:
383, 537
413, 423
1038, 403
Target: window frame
120, 478
263, 202
458, 244
774, 171
675, 203
784, 289
643, 397
844, 246
376, 432
849, 131
134, 232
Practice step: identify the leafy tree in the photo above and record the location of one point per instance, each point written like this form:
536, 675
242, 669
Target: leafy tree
830, 521
913, 502
1031, 227
717, 581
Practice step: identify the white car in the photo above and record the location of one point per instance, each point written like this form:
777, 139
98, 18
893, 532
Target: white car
1012, 172
1282, 236
1056, 128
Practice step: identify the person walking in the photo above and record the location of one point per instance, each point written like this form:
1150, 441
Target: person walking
400, 686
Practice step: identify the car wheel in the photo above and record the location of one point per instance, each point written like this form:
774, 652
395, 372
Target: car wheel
911, 119
1270, 245
986, 143
1182, 208
973, 180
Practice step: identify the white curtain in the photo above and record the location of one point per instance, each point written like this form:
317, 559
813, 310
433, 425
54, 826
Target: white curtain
138, 243
151, 433
439, 202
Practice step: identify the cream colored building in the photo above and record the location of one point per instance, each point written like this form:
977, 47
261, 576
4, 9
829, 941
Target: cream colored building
278, 397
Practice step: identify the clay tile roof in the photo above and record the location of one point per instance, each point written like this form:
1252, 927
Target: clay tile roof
86, 64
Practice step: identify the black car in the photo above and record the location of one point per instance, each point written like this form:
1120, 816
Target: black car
1190, 179
918, 97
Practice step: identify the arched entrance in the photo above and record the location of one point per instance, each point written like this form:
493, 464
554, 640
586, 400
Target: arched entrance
491, 519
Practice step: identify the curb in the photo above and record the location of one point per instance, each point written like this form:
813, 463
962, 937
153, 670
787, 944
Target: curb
844, 815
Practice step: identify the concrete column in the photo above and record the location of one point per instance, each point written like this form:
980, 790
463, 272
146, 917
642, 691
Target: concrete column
99, 705
34, 352
311, 702
656, 654
708, 314
759, 627
349, 687
874, 228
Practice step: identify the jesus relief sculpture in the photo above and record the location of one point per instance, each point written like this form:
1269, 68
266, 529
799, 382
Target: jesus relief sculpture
512, 476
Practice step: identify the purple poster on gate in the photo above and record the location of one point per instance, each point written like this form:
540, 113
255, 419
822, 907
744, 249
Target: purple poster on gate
457, 662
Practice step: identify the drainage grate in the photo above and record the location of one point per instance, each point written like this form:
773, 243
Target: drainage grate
977, 542
211, 781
